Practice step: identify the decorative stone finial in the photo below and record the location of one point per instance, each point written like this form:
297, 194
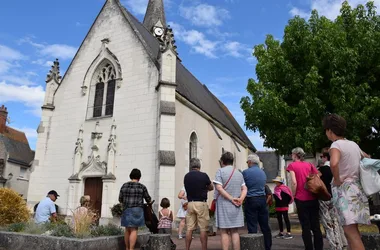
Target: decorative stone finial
155, 12
79, 143
54, 73
168, 40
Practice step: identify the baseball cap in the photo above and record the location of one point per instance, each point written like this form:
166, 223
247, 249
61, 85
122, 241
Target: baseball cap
53, 192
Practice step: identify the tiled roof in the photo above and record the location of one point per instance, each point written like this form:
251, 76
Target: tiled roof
16, 145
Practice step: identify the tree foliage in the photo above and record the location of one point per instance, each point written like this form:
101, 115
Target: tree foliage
321, 66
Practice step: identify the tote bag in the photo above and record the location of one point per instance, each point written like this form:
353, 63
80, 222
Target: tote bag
369, 176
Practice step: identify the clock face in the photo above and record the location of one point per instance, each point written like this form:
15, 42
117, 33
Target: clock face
158, 31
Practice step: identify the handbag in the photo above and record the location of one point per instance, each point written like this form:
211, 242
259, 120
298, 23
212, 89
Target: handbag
369, 176
316, 186
213, 203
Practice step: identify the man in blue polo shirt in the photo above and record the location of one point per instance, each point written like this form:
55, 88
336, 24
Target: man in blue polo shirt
256, 210
46, 208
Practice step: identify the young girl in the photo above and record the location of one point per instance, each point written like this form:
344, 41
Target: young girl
283, 197
182, 212
165, 218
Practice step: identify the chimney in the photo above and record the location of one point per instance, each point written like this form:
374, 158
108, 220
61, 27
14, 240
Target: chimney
3, 118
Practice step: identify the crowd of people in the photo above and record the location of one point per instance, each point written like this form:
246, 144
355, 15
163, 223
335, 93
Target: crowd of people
235, 189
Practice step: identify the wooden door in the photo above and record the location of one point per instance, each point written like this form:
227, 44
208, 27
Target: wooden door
94, 188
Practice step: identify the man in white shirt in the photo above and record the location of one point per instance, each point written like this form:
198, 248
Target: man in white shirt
46, 208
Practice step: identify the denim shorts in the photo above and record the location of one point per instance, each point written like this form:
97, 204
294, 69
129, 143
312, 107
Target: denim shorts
133, 217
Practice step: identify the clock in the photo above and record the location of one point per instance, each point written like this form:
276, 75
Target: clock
158, 31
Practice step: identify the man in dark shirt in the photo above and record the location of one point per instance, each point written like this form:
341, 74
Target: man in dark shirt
197, 185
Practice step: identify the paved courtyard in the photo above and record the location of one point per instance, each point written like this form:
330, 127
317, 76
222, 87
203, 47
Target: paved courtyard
214, 243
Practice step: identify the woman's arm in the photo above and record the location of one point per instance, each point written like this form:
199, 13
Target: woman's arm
294, 182
181, 195
334, 165
223, 192
171, 215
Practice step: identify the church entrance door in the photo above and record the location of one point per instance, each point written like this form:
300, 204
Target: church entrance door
94, 188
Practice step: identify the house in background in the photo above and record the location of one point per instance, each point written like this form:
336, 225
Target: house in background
16, 157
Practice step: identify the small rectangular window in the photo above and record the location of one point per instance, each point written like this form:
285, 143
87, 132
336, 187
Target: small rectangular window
23, 173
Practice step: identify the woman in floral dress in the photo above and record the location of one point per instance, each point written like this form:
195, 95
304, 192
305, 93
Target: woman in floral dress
348, 195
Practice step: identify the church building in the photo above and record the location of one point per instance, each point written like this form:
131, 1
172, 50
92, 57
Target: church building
127, 101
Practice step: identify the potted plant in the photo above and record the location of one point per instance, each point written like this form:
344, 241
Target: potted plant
117, 212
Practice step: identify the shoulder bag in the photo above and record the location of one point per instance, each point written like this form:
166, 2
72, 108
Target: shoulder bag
213, 203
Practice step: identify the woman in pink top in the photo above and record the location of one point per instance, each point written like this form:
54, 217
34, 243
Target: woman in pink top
307, 204
348, 195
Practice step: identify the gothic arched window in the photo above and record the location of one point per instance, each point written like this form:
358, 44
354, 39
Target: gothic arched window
193, 144
104, 94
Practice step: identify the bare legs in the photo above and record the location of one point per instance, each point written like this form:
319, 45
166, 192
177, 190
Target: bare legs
181, 226
189, 238
353, 237
230, 235
130, 238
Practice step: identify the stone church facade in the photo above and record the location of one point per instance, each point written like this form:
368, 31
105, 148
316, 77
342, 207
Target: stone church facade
126, 101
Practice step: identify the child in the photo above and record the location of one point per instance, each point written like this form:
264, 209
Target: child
283, 197
165, 218
182, 212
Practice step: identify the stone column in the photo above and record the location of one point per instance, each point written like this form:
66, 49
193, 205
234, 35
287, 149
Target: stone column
74, 194
166, 119
108, 198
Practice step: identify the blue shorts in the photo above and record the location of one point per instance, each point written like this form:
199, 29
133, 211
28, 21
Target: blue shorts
133, 217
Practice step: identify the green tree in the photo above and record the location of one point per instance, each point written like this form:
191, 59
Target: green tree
322, 66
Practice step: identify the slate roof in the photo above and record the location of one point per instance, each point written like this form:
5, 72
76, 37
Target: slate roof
191, 88
17, 146
271, 163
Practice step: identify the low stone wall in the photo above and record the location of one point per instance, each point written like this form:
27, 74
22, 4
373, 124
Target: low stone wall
252, 242
18, 241
371, 241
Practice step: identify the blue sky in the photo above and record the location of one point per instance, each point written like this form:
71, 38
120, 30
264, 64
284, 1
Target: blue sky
214, 38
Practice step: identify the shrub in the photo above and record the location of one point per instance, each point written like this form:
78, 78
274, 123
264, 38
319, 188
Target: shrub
13, 208
62, 230
83, 218
117, 210
108, 230
16, 227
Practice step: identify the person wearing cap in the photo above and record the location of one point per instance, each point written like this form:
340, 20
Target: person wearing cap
283, 197
255, 206
46, 208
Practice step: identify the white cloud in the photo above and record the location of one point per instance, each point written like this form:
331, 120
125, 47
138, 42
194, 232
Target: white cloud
204, 15
30, 96
197, 40
237, 49
17, 80
327, 8
9, 54
61, 51
4, 66
43, 62
298, 12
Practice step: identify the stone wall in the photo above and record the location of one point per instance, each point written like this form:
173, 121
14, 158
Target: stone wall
17, 241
